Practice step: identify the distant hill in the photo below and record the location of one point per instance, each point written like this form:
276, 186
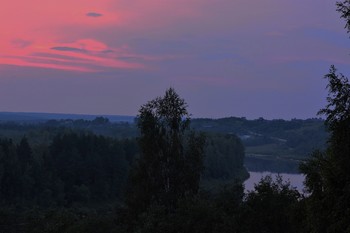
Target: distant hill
271, 145
277, 138
34, 117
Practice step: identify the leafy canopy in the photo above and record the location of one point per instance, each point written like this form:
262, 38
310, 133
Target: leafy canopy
171, 159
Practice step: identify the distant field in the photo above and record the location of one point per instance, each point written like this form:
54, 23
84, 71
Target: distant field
274, 138
40, 117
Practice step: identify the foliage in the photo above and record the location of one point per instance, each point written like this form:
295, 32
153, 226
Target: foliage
51, 164
44, 132
170, 163
200, 213
344, 9
74, 168
327, 176
276, 138
294, 139
273, 206
58, 220
224, 158
337, 110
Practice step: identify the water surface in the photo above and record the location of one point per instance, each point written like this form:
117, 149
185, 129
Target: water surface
296, 180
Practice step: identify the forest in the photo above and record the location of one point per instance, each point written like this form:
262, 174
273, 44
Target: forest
270, 145
167, 173
159, 174
61, 169
82, 167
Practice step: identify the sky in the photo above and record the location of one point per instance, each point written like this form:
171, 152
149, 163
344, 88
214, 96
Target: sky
224, 57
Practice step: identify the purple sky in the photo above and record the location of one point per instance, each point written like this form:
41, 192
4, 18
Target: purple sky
225, 57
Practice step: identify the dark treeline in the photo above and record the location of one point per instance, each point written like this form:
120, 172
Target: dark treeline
44, 132
264, 147
294, 138
74, 168
74, 175
270, 145
272, 207
89, 169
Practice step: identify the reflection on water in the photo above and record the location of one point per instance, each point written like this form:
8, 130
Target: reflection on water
296, 180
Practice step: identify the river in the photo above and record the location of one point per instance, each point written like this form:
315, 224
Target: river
296, 180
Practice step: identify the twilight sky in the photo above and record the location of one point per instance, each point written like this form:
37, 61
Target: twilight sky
225, 57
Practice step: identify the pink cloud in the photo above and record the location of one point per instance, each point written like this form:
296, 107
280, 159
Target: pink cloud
34, 26
65, 28
85, 55
221, 47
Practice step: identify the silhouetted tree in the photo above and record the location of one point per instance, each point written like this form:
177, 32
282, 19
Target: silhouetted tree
272, 207
170, 163
343, 8
327, 173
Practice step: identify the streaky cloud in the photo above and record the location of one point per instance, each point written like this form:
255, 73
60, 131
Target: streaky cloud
94, 14
68, 49
58, 56
107, 51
